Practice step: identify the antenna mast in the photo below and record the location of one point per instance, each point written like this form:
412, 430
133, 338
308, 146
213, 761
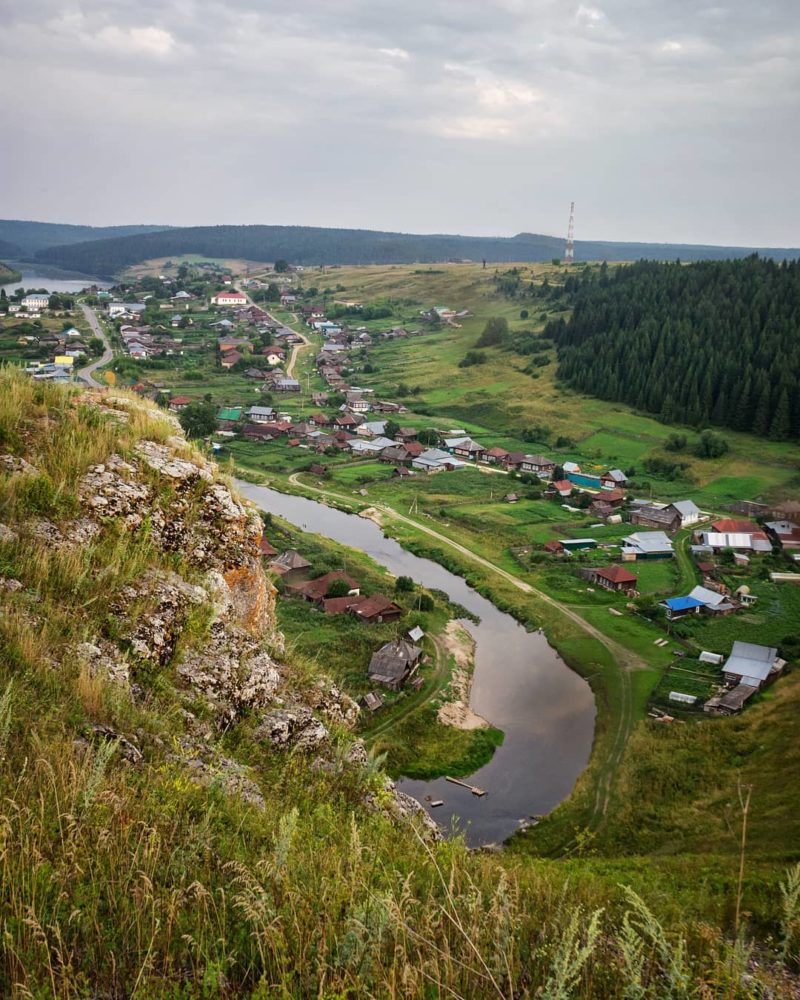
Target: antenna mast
569, 249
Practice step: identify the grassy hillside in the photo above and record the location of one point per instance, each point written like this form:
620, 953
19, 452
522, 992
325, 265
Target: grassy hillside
154, 844
309, 246
502, 399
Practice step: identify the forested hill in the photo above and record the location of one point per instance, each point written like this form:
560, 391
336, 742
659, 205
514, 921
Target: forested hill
307, 245
712, 342
19, 238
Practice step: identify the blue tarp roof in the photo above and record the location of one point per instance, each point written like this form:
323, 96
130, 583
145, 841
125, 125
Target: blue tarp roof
683, 603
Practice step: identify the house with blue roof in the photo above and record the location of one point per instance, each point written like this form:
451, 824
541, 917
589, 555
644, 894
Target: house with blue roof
680, 607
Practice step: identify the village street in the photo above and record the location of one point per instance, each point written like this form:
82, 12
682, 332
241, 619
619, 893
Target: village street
87, 372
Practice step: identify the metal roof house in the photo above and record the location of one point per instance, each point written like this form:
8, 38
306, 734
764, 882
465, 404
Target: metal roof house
688, 510
751, 664
260, 414
680, 607
647, 545
713, 602
436, 460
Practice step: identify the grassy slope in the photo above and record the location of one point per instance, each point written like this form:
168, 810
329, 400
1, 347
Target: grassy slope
121, 880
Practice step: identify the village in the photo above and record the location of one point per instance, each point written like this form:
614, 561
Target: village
343, 434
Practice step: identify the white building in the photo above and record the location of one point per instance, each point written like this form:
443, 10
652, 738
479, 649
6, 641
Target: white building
229, 298
36, 302
125, 308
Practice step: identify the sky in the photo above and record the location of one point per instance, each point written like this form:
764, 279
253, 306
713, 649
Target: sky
664, 120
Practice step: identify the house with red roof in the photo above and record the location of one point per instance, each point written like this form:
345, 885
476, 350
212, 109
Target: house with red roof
178, 403
495, 456
615, 578
229, 297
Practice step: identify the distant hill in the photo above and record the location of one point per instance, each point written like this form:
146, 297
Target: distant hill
308, 245
20, 239
8, 274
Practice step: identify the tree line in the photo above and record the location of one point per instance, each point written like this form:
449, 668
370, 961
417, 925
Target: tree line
715, 342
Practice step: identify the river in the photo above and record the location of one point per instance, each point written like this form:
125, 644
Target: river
54, 279
520, 685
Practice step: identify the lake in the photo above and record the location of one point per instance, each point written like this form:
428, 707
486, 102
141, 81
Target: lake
520, 685
54, 279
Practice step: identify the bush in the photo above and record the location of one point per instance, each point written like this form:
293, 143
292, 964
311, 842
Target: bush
404, 584
675, 442
710, 445
472, 358
338, 588
495, 332
523, 314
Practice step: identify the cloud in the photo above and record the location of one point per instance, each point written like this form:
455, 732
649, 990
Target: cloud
436, 95
395, 53
148, 41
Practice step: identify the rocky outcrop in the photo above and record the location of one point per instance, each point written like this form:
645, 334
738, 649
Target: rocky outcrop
212, 623
231, 671
156, 610
293, 728
206, 766
12, 465
105, 660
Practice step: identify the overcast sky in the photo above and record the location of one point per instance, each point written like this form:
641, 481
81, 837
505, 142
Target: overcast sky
664, 120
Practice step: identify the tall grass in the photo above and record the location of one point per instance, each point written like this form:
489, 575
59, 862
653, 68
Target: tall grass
122, 879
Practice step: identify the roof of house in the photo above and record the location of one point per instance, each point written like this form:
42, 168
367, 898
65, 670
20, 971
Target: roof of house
571, 467
392, 661
616, 574
374, 606
537, 460
616, 474
496, 453
231, 358
338, 605
181, 400
661, 515
683, 603
755, 540
266, 549
553, 546
729, 525
750, 660
563, 484
259, 411
289, 560
315, 590
649, 541
685, 507
708, 596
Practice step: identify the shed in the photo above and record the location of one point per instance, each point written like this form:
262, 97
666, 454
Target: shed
715, 658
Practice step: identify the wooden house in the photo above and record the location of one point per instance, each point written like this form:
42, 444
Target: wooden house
394, 663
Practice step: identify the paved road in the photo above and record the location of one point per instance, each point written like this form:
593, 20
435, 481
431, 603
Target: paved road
87, 372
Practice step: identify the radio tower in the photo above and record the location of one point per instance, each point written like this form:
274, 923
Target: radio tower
569, 249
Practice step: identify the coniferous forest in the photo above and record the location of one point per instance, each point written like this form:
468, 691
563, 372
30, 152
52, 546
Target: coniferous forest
714, 342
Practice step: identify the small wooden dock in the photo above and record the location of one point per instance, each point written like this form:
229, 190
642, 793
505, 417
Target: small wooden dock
472, 788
